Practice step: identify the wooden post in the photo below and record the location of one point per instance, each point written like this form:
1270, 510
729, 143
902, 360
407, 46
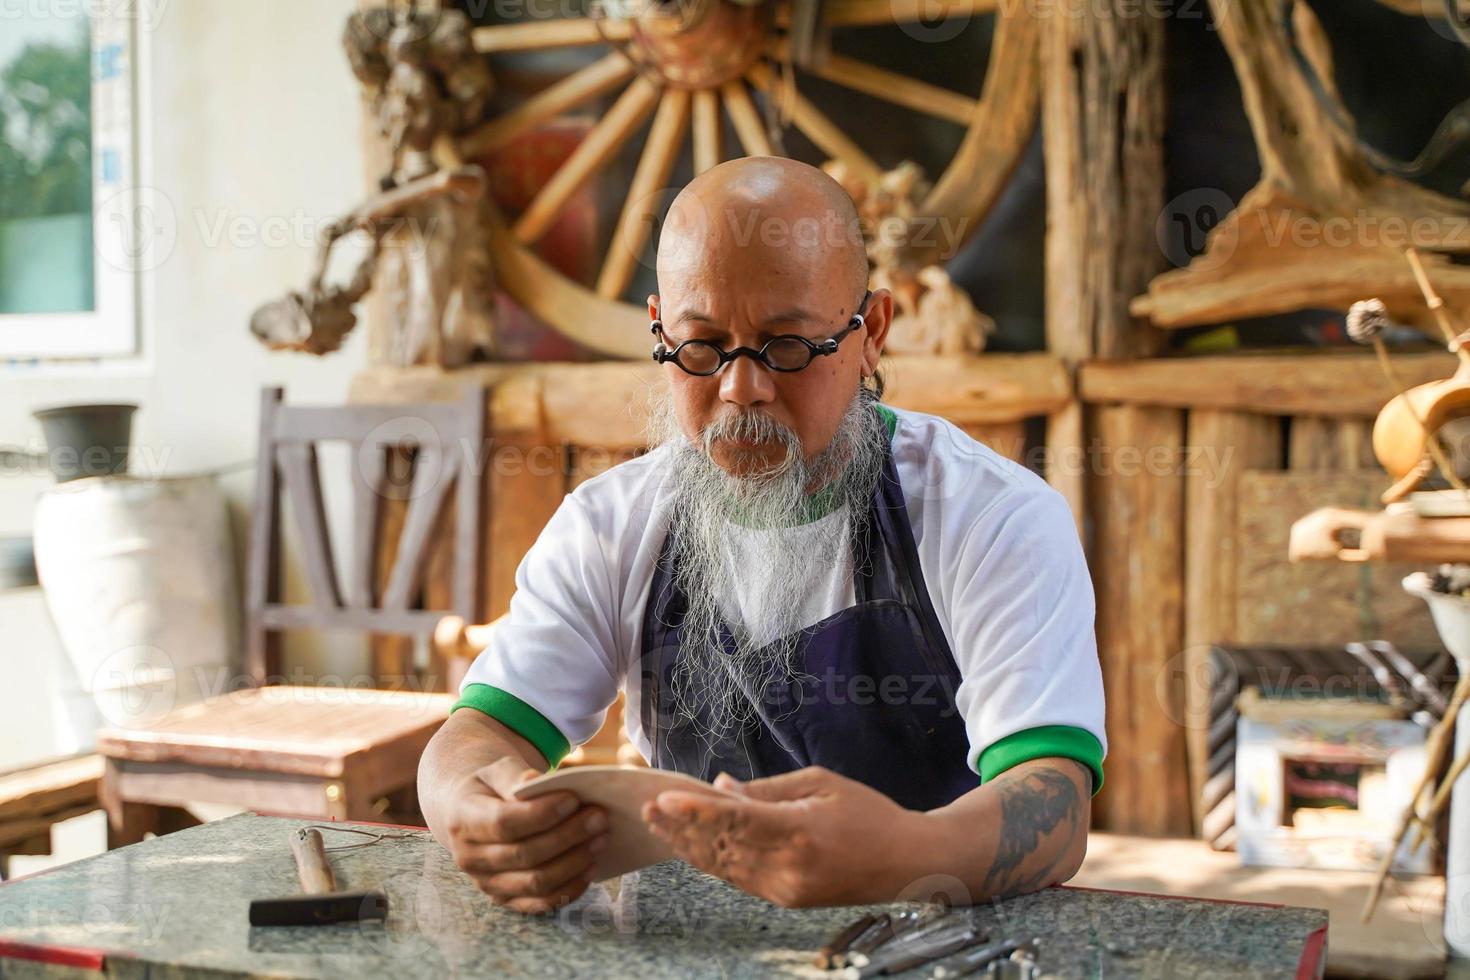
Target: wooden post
525, 484
1103, 123
1224, 445
1065, 459
1318, 443
1137, 491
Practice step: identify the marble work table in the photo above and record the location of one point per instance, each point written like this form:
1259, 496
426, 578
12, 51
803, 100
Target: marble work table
175, 906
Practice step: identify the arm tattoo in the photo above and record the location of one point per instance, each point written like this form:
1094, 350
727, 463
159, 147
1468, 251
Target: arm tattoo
1032, 807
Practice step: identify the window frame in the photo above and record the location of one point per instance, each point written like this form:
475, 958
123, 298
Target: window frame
111, 328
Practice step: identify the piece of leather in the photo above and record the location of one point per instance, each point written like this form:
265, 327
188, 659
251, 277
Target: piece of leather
621, 791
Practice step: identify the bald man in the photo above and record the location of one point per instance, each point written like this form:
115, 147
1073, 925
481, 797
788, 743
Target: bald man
875, 632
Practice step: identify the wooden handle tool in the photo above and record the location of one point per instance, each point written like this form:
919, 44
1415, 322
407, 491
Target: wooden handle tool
320, 903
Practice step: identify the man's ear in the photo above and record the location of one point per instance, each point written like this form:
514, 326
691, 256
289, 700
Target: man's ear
876, 320
652, 306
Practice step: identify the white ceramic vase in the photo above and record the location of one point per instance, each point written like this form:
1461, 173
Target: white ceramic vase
139, 577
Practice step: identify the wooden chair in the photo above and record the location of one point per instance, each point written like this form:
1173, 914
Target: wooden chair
325, 752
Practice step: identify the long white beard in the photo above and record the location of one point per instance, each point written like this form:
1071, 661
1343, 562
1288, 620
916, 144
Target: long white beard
717, 690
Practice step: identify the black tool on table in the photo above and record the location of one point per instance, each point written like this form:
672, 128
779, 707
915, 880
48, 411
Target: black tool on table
320, 903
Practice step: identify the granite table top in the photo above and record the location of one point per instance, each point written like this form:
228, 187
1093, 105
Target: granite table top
175, 906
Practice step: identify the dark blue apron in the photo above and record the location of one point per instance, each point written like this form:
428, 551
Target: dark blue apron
875, 694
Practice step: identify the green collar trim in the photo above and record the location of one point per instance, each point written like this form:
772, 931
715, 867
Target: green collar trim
890, 418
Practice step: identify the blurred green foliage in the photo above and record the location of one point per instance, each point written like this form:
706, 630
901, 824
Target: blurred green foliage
46, 130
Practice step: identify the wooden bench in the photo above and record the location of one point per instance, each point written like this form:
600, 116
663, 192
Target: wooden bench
35, 798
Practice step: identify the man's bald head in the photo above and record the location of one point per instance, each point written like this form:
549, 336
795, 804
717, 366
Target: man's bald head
778, 221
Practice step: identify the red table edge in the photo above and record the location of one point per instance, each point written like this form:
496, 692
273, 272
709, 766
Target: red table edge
83, 957
1313, 964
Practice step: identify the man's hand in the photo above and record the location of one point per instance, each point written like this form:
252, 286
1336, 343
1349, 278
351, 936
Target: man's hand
805, 838
530, 856
812, 837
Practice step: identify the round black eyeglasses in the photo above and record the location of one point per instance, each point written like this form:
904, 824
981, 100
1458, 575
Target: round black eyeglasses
785, 353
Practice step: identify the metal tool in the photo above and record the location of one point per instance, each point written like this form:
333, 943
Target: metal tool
916, 949
1020, 965
909, 924
974, 959
834, 954
320, 903
871, 938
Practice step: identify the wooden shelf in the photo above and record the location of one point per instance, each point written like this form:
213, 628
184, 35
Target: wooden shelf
1320, 383
1396, 533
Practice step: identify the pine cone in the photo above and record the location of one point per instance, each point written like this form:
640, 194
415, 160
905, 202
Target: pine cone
1366, 319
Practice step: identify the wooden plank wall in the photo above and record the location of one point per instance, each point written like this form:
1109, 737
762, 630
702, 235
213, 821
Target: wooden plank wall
1257, 454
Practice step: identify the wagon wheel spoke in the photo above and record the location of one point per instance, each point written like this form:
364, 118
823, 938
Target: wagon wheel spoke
578, 88
665, 140
911, 93
708, 130
597, 147
861, 13
568, 32
818, 128
747, 120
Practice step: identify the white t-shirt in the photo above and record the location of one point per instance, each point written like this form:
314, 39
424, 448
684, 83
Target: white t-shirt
998, 550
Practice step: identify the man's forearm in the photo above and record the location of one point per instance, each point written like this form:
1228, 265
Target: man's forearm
466, 743
1025, 830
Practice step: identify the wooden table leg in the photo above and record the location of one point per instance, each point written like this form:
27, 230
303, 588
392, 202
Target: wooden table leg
127, 822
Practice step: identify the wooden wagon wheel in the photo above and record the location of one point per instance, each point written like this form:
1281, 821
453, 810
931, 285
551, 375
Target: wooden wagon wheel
683, 72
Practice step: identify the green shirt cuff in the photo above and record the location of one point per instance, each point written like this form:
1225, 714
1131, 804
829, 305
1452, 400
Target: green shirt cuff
1048, 741
519, 717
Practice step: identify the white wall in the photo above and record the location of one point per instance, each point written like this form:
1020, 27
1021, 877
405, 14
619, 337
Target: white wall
250, 128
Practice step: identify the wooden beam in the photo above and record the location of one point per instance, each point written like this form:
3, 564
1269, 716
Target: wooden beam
1066, 468
1317, 383
1137, 497
1396, 533
603, 404
1103, 125
1225, 445
525, 484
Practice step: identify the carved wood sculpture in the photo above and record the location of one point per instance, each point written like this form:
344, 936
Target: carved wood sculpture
425, 233
932, 315
440, 254
681, 64
1322, 223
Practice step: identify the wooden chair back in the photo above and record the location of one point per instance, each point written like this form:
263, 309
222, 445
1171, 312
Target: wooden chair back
404, 461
